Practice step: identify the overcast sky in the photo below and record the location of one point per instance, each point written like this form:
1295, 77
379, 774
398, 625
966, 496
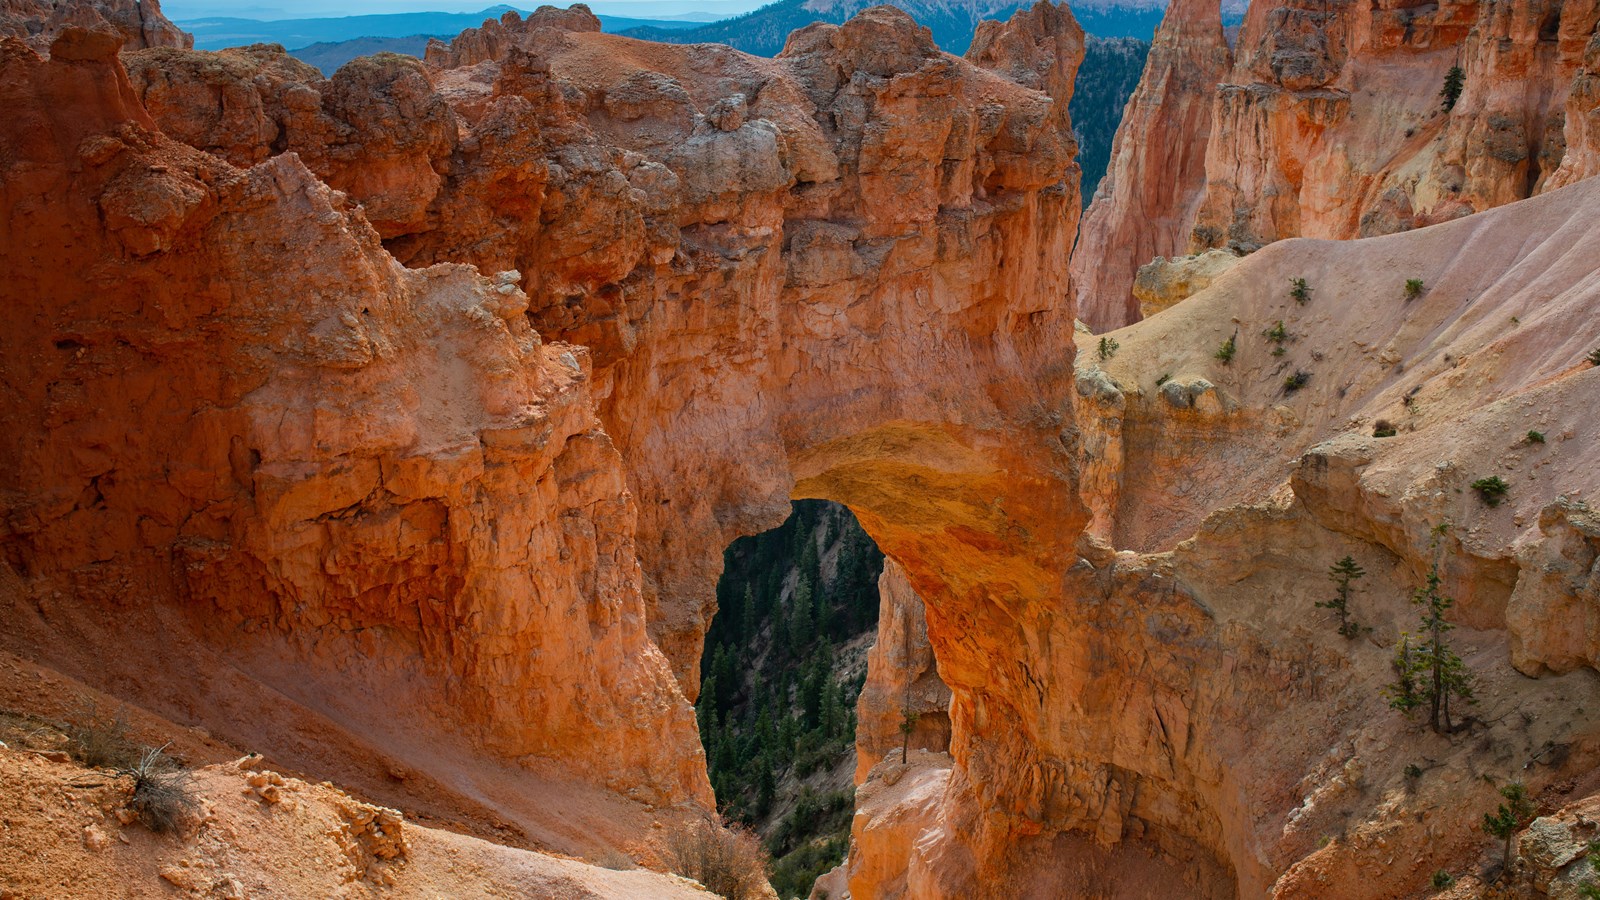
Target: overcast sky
300, 9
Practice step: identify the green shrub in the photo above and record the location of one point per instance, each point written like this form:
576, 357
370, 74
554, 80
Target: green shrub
1109, 347
1413, 771
1535, 437
1165, 377
1299, 290
1296, 381
1383, 428
1413, 288
1442, 880
1277, 333
1594, 357
1226, 351
1491, 490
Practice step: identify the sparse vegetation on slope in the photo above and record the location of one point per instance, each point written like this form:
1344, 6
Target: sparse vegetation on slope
1507, 820
729, 861
1226, 352
163, 792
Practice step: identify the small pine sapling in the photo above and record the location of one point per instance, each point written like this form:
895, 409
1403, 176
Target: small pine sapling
1343, 573
1413, 288
1296, 381
1504, 822
1535, 437
1109, 347
1226, 351
1299, 290
1442, 880
1276, 334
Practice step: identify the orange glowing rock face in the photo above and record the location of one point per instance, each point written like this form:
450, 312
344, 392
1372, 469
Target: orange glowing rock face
466, 522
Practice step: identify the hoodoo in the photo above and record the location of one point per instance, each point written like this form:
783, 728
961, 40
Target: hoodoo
373, 441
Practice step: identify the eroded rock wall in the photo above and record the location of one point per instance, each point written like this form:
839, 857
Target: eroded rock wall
1329, 122
375, 490
446, 508
1145, 205
902, 678
1333, 117
138, 23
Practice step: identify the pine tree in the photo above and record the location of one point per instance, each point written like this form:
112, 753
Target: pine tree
811, 694
832, 709
722, 668
803, 627
1504, 821
1445, 676
908, 724
1343, 573
1430, 672
766, 783
748, 626
1454, 81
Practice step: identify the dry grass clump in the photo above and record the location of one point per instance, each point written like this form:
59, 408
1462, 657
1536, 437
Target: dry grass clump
163, 792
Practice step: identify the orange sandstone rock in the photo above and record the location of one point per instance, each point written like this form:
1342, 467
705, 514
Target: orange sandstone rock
1145, 205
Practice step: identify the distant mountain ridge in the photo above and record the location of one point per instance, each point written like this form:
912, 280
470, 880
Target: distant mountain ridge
218, 32
952, 22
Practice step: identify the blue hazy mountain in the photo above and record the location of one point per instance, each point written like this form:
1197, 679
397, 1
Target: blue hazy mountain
217, 32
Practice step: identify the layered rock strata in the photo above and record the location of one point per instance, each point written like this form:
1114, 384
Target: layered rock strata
817, 226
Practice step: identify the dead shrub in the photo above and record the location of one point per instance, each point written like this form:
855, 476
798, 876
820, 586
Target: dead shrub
101, 741
728, 860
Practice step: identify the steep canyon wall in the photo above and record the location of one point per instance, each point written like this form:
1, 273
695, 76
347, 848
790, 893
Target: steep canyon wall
1329, 122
